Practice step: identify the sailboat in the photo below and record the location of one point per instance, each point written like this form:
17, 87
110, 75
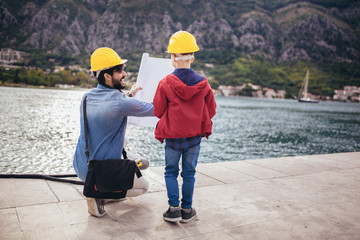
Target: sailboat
303, 94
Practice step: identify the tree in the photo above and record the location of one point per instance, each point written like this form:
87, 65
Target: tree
81, 79
66, 76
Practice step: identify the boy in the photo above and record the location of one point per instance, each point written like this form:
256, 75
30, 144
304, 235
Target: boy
184, 103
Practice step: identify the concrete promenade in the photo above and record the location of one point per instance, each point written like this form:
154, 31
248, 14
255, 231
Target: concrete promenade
303, 197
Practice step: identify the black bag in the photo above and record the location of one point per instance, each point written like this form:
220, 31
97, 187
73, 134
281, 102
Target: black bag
108, 179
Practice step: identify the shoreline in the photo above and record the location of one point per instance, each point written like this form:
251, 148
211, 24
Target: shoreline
41, 87
216, 95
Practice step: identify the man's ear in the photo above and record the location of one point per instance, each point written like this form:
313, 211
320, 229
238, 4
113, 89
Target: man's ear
107, 77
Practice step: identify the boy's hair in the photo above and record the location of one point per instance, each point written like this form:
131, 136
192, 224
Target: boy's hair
183, 56
101, 78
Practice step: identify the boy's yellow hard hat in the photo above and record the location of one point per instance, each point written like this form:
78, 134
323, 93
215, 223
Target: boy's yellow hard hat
182, 42
105, 58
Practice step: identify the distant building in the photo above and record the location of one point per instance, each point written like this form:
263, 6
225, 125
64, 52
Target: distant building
269, 93
356, 96
75, 68
234, 90
216, 92
9, 66
281, 94
227, 90
258, 94
256, 91
340, 95
230, 90
349, 93
66, 86
58, 69
254, 87
8, 56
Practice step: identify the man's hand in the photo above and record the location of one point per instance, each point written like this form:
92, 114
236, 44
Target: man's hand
134, 90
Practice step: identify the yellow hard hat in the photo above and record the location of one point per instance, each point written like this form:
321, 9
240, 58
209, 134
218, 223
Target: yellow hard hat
182, 42
105, 58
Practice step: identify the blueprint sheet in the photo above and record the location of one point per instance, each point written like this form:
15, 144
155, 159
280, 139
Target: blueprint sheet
151, 71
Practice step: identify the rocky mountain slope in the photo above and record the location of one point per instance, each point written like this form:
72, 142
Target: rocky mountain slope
279, 30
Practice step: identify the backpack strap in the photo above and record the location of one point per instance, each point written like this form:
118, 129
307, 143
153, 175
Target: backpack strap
137, 171
87, 153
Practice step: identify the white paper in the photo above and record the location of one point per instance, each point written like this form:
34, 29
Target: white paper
151, 71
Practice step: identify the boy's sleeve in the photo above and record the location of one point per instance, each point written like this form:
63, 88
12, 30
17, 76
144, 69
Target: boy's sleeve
160, 101
210, 102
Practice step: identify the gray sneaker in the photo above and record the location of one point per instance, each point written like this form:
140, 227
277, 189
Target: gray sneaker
173, 214
142, 163
96, 206
188, 215
106, 201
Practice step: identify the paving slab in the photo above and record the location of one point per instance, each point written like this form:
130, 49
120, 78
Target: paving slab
246, 167
223, 174
302, 197
24, 192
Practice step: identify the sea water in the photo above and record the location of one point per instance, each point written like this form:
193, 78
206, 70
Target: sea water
39, 129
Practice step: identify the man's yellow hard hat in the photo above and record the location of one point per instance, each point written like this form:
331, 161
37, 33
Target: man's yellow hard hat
105, 58
182, 42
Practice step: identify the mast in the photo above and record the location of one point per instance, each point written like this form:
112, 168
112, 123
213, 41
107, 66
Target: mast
303, 94
306, 83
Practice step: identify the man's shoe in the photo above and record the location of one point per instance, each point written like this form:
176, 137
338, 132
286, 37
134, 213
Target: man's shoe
188, 215
173, 214
142, 163
106, 201
96, 206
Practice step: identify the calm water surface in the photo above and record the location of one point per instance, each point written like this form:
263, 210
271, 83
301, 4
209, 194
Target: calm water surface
39, 129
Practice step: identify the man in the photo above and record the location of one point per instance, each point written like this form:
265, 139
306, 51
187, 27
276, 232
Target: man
107, 110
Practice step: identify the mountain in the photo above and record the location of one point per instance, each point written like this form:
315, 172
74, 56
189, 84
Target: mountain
277, 30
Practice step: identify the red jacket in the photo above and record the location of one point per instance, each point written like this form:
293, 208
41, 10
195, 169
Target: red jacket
184, 111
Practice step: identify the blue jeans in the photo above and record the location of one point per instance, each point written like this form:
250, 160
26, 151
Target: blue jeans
189, 162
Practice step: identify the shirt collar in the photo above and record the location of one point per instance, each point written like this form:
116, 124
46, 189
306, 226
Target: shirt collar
105, 86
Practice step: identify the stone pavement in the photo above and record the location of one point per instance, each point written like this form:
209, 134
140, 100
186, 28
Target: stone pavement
303, 197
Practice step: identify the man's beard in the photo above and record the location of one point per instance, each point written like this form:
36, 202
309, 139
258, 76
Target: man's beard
118, 85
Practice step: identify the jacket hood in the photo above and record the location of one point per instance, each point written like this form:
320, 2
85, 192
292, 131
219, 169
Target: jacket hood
184, 91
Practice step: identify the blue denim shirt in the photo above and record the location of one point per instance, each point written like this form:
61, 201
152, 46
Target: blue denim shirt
107, 112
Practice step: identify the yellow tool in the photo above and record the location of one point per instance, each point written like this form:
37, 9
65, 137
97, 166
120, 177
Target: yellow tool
139, 162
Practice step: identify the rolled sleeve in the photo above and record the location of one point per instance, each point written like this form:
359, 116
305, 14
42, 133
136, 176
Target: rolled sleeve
136, 108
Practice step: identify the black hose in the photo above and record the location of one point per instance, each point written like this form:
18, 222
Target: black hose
56, 178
